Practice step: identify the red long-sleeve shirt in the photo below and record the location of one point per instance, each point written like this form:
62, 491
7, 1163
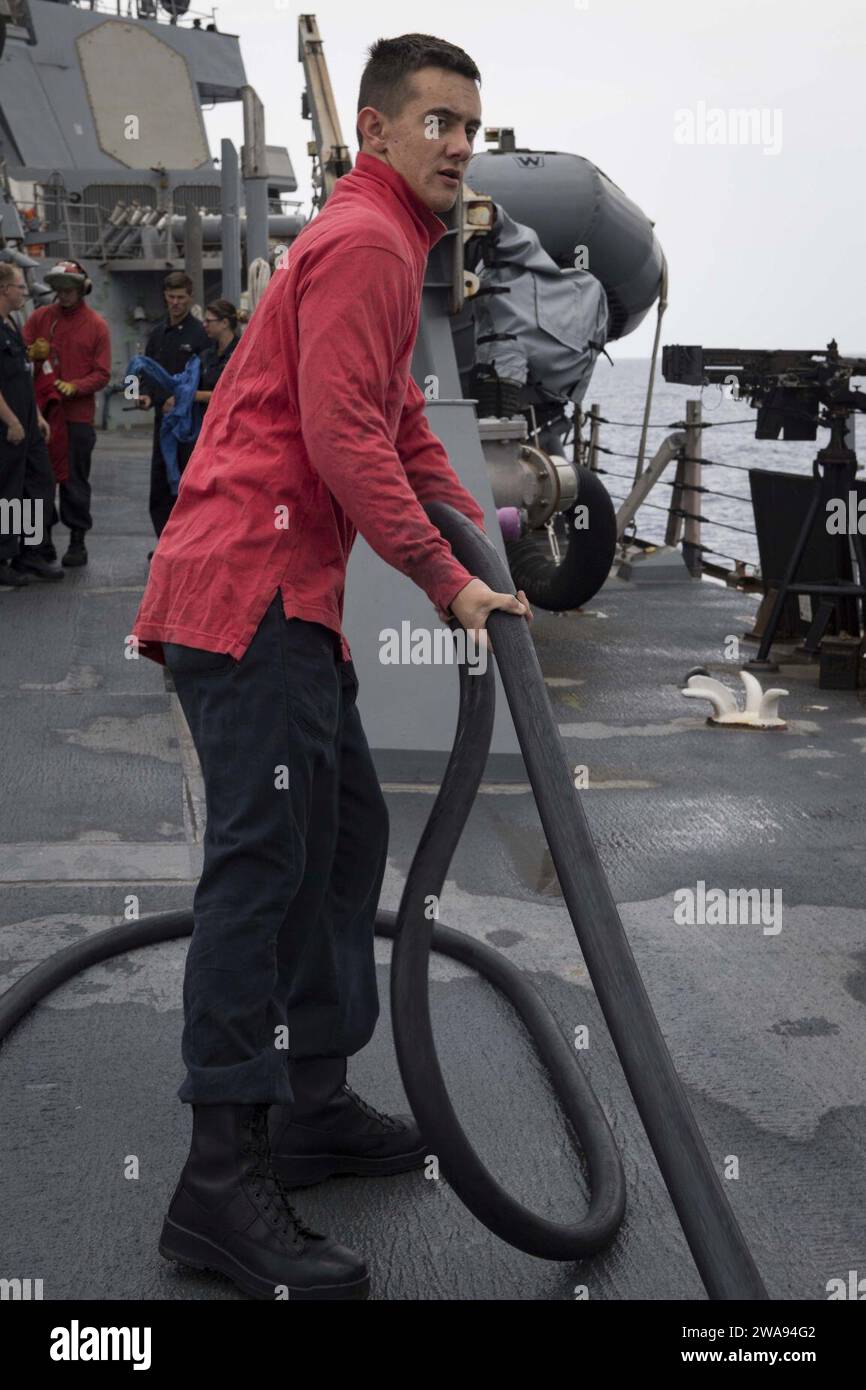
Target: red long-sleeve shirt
316, 431
80, 353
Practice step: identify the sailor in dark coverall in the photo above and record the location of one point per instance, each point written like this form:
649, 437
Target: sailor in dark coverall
174, 340
25, 468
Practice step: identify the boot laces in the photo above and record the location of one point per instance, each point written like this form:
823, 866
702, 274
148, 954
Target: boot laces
387, 1120
273, 1197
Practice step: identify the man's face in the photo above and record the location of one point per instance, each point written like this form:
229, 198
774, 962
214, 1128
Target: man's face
12, 296
67, 298
431, 137
179, 303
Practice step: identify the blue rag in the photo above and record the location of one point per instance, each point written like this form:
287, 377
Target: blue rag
183, 423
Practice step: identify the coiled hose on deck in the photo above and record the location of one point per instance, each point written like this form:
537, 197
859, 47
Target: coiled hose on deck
714, 1237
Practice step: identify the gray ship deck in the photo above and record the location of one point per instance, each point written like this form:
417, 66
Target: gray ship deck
766, 1030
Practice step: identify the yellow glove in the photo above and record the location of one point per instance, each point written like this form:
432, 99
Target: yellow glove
66, 388
39, 349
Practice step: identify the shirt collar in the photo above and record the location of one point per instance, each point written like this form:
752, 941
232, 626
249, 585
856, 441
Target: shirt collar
429, 225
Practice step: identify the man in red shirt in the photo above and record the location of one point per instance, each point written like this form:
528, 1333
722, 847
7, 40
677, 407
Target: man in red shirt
74, 340
315, 431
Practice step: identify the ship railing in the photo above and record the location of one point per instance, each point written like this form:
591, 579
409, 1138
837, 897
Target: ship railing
58, 226
155, 11
687, 508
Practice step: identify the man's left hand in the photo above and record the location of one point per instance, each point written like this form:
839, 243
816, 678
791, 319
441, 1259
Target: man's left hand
66, 388
446, 617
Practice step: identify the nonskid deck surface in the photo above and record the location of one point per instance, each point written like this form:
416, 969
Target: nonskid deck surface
765, 1026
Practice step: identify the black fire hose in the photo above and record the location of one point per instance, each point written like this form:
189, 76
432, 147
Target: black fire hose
714, 1237
717, 1244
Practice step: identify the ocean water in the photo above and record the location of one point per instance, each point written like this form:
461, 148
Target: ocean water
620, 391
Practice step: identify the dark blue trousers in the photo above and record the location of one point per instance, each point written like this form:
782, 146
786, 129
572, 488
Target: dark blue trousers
75, 492
25, 474
294, 856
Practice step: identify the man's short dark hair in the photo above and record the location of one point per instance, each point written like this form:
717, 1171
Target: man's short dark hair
386, 81
177, 280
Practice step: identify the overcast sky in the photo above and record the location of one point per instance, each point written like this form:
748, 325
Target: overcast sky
764, 239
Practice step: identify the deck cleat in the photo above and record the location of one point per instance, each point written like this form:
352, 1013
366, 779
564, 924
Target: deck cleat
761, 709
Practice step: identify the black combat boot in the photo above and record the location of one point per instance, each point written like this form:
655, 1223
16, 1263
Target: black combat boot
230, 1213
76, 554
36, 567
11, 578
329, 1129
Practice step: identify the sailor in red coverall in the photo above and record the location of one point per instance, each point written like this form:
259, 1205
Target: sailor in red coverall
69, 343
315, 431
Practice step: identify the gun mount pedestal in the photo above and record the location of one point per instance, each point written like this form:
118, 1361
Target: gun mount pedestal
834, 470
